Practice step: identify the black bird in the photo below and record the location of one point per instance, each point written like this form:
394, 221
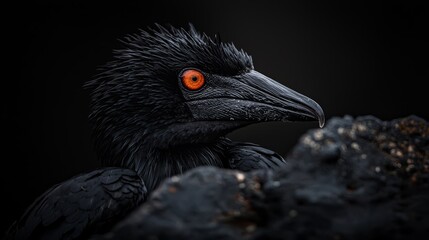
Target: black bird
161, 107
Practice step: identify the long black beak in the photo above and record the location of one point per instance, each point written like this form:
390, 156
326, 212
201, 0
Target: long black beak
253, 97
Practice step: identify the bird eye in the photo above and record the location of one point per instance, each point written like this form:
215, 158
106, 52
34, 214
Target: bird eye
192, 79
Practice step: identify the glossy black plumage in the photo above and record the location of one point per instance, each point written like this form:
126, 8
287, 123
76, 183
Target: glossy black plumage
149, 126
248, 156
81, 206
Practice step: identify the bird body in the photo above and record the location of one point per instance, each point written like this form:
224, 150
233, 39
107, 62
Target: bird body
161, 107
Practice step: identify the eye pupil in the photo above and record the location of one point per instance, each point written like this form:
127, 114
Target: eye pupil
192, 79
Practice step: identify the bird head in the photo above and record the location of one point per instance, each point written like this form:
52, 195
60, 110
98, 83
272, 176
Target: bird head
170, 87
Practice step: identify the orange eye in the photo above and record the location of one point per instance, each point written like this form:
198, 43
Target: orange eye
192, 79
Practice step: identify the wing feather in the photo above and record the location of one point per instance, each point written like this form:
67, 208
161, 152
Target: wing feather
249, 156
81, 206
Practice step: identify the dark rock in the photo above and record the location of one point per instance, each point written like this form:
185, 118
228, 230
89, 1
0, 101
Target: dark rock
355, 179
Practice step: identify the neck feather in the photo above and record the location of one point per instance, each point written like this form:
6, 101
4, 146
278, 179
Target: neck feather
155, 164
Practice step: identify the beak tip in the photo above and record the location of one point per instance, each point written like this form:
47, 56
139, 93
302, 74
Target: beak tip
319, 114
322, 122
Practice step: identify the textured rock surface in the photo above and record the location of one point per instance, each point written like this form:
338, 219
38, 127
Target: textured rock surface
355, 179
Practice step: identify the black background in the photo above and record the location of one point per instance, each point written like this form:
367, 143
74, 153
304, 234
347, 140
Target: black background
354, 59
